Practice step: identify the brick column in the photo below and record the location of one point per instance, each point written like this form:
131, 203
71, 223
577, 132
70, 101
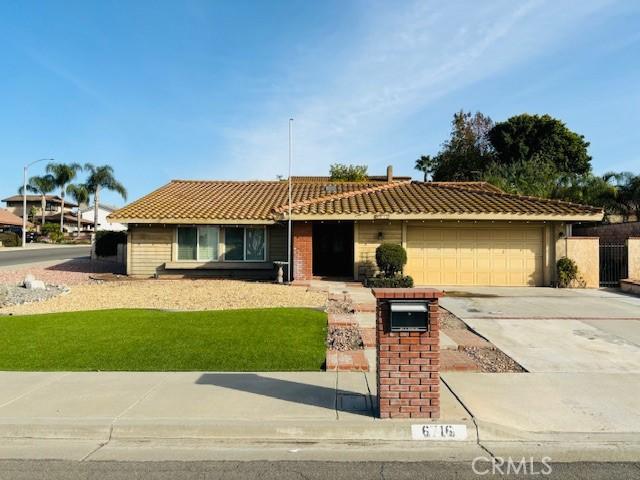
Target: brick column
408, 363
302, 251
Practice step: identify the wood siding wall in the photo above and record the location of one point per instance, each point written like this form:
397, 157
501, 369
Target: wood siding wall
277, 243
149, 249
367, 240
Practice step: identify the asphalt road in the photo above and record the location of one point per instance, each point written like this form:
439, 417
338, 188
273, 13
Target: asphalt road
103, 470
39, 255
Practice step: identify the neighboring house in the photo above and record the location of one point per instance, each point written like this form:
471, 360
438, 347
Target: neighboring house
468, 233
8, 219
53, 206
88, 213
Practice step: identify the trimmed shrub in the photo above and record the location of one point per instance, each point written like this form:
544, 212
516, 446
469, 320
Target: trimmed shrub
52, 231
10, 239
107, 243
567, 272
391, 258
404, 281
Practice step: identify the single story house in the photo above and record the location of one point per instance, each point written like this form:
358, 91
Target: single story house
9, 219
455, 233
88, 213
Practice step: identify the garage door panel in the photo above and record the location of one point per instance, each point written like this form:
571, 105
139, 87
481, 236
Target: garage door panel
475, 256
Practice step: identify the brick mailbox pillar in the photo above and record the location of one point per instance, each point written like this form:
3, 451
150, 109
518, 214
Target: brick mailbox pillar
408, 362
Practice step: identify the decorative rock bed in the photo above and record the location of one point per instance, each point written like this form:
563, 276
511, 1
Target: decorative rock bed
342, 339
19, 295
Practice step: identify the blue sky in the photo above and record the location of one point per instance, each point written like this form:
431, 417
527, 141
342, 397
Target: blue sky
204, 89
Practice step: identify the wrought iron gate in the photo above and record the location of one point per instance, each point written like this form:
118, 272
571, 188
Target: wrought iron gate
613, 264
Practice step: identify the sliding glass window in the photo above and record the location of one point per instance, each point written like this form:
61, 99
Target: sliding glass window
198, 243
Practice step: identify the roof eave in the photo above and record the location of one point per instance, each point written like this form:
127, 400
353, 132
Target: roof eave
190, 221
590, 217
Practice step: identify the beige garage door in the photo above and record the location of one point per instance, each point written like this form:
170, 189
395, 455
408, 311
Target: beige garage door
500, 256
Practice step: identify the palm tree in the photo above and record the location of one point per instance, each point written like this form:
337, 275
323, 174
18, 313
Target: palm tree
426, 164
63, 173
101, 177
40, 185
80, 195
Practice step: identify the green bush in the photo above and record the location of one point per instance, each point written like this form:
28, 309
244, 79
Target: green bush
10, 239
348, 173
52, 231
567, 272
401, 281
390, 258
107, 243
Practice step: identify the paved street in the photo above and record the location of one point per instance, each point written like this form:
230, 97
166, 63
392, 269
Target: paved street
54, 470
14, 256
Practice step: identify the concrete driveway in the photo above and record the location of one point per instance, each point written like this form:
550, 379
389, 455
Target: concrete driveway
555, 330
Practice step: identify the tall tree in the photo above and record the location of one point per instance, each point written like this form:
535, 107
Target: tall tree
348, 173
80, 195
426, 164
63, 174
525, 137
40, 185
101, 178
468, 152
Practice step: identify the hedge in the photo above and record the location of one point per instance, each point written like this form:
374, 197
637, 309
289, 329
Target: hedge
107, 243
10, 239
389, 282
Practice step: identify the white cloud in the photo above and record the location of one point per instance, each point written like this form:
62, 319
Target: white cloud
410, 55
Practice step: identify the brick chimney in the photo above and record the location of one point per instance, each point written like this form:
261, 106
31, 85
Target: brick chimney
390, 173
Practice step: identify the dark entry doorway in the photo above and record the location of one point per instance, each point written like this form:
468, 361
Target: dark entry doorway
333, 249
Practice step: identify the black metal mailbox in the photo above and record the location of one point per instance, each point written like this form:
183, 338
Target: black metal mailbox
409, 316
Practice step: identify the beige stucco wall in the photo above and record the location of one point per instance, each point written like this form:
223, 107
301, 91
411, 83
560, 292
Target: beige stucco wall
367, 239
633, 244
585, 251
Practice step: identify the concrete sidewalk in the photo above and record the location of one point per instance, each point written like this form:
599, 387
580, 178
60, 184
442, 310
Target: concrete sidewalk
261, 406
299, 415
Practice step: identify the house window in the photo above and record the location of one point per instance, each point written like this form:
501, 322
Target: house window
198, 243
245, 244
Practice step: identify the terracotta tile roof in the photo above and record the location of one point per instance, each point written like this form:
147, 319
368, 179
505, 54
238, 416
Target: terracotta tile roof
325, 179
486, 186
192, 201
416, 198
8, 218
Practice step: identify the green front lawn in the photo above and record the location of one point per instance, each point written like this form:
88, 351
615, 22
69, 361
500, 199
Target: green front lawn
274, 339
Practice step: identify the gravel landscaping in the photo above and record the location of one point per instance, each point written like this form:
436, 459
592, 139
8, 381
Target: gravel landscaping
70, 272
493, 360
343, 339
174, 295
18, 295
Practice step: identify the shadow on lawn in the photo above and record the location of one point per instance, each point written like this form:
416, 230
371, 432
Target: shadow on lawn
304, 393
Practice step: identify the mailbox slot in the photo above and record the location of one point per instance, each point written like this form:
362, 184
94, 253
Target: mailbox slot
409, 316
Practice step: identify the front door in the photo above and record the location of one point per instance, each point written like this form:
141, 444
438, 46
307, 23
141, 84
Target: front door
333, 249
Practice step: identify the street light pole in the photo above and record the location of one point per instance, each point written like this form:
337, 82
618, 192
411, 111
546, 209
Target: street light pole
24, 199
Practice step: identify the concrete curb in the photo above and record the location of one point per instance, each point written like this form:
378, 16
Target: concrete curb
196, 429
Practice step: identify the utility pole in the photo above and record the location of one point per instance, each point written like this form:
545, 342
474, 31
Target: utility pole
289, 216
24, 199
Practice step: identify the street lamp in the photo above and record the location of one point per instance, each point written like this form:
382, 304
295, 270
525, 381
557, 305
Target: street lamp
24, 199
